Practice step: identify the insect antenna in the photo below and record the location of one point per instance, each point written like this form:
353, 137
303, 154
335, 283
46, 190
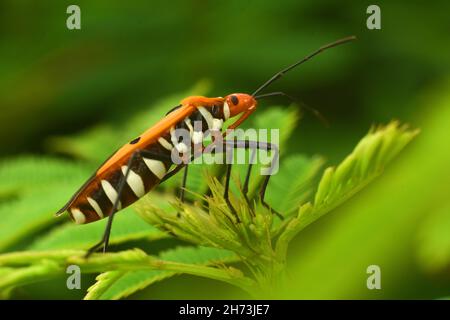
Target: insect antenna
281, 73
312, 110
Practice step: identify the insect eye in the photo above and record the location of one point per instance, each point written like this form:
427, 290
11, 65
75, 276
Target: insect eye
234, 100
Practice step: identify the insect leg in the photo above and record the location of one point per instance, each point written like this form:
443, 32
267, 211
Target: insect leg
262, 146
183, 184
229, 160
262, 194
247, 177
245, 144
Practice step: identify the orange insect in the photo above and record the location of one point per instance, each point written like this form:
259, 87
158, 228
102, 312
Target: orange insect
143, 163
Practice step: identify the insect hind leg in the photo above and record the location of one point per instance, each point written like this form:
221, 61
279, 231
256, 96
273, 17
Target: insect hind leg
253, 145
105, 238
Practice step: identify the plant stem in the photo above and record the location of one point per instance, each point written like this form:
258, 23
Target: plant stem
234, 276
23, 258
30, 274
138, 260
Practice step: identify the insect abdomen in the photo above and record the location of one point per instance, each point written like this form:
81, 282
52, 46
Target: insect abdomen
96, 200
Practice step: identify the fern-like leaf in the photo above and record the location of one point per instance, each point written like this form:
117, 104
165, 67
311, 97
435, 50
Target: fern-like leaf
25, 173
294, 183
366, 162
23, 217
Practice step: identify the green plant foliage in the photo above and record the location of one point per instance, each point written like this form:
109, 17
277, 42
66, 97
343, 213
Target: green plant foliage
366, 162
28, 173
25, 183
29, 214
251, 237
434, 242
120, 284
256, 238
127, 227
251, 234
92, 90
293, 185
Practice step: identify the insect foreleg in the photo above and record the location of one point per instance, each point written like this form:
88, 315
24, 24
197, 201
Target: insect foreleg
225, 193
253, 145
183, 184
247, 176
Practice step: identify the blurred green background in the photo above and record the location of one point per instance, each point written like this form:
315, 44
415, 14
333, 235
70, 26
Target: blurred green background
58, 82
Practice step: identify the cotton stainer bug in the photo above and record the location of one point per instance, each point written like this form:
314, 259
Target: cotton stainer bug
139, 166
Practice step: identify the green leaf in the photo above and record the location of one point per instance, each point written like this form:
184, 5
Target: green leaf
293, 184
21, 174
34, 266
127, 226
24, 258
365, 163
120, 284
30, 274
30, 213
104, 282
34, 188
